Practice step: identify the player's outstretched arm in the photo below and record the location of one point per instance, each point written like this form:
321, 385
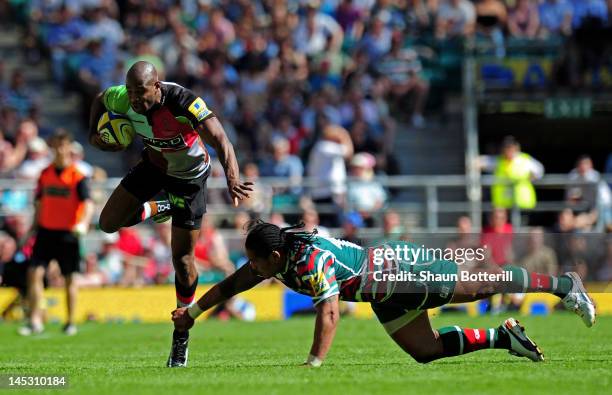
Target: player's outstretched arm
325, 329
213, 134
241, 280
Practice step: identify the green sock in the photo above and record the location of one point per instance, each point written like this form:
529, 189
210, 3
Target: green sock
523, 281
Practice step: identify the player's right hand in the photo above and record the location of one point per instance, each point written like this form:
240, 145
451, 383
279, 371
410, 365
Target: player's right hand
182, 320
97, 142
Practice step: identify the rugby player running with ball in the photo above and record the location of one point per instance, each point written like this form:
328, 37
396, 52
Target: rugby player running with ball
331, 269
174, 124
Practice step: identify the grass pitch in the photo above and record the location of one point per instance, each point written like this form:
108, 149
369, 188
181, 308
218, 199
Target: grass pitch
264, 358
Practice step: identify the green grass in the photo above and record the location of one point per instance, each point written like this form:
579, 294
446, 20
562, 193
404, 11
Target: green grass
263, 358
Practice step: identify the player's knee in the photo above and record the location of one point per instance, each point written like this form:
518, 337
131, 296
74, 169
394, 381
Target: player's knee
107, 225
422, 357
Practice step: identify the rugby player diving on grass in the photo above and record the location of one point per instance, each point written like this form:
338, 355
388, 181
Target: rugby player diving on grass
330, 270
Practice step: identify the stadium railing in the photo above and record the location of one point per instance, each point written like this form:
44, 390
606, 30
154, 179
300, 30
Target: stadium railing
421, 200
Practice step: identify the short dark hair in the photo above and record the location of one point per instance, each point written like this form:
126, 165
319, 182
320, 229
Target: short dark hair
60, 135
510, 141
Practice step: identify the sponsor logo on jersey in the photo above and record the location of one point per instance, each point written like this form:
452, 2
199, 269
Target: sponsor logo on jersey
198, 109
176, 201
175, 142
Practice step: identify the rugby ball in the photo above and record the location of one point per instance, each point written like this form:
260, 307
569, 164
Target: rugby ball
115, 128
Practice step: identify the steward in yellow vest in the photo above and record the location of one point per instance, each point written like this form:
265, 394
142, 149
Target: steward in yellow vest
514, 170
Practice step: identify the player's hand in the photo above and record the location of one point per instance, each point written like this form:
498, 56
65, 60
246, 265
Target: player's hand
182, 320
97, 142
239, 190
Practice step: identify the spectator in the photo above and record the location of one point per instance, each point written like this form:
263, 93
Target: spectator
455, 19
318, 112
356, 108
293, 66
328, 67
377, 40
260, 198
256, 73
92, 276
563, 231
102, 27
221, 26
130, 246
497, 238
555, 18
170, 45
393, 229
402, 67
350, 19
211, 251
310, 35
157, 249
591, 202
327, 168
38, 158
78, 157
19, 96
278, 219
524, 21
310, 217
577, 257
362, 139
65, 36
491, 19
513, 172
12, 156
365, 194
539, 257
418, 18
350, 227
466, 238
95, 72
285, 129
283, 164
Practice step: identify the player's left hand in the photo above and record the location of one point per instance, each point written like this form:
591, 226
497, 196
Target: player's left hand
182, 320
239, 190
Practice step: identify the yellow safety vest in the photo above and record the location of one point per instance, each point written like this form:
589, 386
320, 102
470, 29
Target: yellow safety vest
513, 183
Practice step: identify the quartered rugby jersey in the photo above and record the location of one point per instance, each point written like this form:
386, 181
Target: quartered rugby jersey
168, 130
327, 267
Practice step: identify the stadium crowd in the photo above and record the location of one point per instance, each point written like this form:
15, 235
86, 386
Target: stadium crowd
289, 80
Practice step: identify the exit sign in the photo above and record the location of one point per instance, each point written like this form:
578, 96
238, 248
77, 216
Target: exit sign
568, 108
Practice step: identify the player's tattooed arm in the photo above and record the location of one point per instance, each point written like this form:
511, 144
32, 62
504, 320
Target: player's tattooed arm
213, 134
326, 323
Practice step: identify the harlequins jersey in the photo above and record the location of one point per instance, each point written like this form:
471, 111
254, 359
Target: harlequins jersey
168, 129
